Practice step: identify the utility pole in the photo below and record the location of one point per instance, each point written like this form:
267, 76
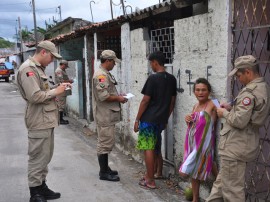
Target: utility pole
123, 6
59, 7
21, 45
16, 47
111, 8
91, 10
35, 22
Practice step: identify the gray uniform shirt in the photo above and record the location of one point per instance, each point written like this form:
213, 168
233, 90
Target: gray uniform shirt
41, 110
239, 138
61, 76
103, 84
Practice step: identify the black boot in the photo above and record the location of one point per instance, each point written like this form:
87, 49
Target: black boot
47, 193
63, 121
113, 172
36, 196
104, 173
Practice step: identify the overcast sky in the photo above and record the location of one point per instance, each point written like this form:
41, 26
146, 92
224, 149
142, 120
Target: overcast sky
10, 10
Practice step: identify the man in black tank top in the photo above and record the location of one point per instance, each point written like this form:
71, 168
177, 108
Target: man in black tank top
155, 108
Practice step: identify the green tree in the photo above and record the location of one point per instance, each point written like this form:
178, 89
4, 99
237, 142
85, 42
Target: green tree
26, 35
5, 43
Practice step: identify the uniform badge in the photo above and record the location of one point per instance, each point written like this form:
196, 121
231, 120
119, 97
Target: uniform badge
101, 85
246, 101
101, 78
47, 86
30, 74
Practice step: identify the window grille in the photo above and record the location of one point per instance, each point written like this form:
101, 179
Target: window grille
111, 43
163, 40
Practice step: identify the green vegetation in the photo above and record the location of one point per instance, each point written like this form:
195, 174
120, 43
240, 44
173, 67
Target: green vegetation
5, 44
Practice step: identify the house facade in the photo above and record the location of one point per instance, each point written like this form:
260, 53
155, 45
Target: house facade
200, 39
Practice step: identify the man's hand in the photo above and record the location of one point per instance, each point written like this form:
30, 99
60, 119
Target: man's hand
122, 99
226, 106
136, 126
220, 112
62, 87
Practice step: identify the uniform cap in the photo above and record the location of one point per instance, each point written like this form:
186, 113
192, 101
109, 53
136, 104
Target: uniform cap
64, 62
49, 46
243, 62
110, 55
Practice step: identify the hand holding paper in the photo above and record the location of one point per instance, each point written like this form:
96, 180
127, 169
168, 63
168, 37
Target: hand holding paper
129, 95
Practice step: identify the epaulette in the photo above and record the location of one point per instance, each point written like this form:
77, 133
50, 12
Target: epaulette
251, 87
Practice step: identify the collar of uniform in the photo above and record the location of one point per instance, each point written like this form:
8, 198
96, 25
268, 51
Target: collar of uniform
253, 84
103, 69
257, 80
35, 63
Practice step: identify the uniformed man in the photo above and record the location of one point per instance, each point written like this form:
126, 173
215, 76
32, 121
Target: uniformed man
239, 138
107, 111
41, 116
61, 77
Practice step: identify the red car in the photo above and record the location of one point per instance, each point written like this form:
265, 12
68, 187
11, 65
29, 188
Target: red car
4, 72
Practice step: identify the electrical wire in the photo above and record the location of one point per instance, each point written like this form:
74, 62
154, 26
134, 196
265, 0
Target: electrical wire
12, 4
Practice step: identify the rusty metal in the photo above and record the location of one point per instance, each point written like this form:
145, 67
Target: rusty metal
251, 35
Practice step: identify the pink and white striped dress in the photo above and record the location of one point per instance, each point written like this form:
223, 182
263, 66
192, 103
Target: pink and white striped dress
199, 146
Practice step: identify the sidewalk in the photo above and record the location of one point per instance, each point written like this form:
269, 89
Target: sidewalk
85, 168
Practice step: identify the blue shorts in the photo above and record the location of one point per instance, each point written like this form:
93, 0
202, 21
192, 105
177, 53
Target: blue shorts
149, 137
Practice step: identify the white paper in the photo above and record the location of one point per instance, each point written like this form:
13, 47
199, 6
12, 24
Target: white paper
129, 95
216, 103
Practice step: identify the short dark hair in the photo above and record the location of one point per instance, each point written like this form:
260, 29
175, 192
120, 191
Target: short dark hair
158, 56
255, 69
203, 81
39, 49
102, 60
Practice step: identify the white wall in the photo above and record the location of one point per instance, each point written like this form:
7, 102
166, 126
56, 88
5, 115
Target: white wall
73, 101
87, 74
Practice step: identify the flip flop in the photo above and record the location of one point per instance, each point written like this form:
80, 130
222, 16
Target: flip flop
143, 184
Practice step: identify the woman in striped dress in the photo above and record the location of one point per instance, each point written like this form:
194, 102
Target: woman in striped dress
199, 143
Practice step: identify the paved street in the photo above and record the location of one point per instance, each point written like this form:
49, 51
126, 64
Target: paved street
74, 168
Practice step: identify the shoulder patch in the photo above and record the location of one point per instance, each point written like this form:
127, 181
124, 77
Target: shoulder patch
30, 74
102, 85
246, 101
101, 78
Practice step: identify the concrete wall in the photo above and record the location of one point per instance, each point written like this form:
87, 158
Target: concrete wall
89, 67
75, 101
200, 41
131, 76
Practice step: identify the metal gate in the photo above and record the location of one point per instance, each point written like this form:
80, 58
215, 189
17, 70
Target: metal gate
251, 35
